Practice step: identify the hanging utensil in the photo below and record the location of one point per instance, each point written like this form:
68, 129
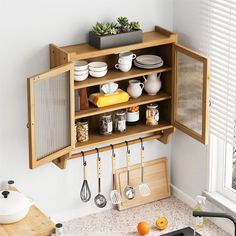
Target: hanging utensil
114, 195
85, 193
143, 187
128, 191
99, 200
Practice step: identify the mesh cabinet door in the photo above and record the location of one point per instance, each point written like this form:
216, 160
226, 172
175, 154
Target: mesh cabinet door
51, 115
190, 93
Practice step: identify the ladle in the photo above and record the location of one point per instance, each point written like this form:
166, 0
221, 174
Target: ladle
128, 191
85, 193
114, 195
99, 199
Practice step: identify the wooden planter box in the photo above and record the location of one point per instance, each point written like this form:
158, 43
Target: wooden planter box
110, 41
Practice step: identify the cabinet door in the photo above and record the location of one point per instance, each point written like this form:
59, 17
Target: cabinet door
190, 93
51, 115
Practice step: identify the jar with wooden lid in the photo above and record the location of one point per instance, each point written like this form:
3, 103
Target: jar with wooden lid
152, 114
82, 131
120, 121
105, 124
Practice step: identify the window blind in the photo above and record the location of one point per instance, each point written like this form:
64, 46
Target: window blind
219, 27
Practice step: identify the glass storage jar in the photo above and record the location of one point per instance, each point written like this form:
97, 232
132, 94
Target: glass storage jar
105, 124
82, 131
120, 121
152, 114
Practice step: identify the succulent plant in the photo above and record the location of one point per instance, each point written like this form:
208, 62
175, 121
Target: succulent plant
134, 25
103, 29
123, 21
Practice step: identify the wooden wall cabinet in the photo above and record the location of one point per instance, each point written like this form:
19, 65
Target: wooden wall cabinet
183, 99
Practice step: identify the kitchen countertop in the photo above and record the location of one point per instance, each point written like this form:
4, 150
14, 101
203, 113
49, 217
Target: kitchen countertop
116, 223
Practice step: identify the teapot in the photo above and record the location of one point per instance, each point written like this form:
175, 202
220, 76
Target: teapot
152, 84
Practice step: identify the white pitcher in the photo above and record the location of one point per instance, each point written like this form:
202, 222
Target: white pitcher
152, 84
135, 88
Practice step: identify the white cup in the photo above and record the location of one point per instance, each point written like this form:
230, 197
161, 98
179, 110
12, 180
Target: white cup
127, 55
125, 60
123, 67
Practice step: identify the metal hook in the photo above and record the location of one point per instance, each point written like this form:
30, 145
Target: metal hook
113, 151
99, 158
141, 140
84, 161
127, 145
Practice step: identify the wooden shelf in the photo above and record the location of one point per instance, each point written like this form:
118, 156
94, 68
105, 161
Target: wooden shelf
114, 75
96, 139
144, 99
150, 39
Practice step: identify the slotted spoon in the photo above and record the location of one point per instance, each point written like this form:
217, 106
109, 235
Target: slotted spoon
114, 195
143, 187
85, 193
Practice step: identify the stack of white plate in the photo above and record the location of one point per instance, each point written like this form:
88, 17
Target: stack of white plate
80, 70
148, 61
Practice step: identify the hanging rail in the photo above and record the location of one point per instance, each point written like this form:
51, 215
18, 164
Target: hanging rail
118, 145
163, 136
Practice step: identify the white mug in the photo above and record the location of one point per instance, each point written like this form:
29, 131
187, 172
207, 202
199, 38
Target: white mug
127, 55
124, 60
123, 67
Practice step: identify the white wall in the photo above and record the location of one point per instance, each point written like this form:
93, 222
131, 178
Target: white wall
189, 163
26, 29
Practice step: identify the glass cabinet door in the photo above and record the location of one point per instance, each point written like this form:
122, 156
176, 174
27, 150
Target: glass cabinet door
190, 92
51, 115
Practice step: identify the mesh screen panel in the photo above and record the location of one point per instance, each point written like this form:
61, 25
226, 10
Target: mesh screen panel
52, 114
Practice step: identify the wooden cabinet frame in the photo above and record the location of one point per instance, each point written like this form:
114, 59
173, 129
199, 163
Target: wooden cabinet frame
33, 162
161, 42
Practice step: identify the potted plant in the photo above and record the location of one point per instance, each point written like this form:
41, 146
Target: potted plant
108, 35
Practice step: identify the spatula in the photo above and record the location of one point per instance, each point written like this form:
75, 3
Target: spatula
114, 195
143, 187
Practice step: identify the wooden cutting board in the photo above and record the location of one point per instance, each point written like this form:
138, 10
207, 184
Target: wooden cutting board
155, 175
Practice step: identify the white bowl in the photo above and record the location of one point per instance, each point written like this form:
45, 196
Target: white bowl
97, 66
81, 72
97, 74
80, 65
80, 77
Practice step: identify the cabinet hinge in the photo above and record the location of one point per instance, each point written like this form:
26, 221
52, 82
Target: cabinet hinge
36, 78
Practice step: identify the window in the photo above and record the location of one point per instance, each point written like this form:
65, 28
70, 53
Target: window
219, 25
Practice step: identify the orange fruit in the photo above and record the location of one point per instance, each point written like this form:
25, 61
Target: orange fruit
143, 228
161, 223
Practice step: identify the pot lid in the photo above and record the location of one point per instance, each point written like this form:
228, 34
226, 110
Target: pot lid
12, 202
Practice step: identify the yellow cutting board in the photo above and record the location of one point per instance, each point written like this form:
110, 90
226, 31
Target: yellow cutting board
155, 175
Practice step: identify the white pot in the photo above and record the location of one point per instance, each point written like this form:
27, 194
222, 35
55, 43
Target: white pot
14, 206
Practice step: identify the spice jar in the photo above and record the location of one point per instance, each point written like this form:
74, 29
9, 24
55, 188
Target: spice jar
105, 124
82, 131
132, 115
152, 114
120, 121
